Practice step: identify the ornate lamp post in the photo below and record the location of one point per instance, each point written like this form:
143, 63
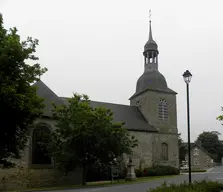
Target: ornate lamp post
187, 78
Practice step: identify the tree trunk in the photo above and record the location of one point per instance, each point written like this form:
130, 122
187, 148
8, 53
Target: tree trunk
84, 174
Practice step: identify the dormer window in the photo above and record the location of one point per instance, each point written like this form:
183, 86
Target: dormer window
163, 110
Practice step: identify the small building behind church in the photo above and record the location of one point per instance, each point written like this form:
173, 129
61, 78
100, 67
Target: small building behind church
200, 158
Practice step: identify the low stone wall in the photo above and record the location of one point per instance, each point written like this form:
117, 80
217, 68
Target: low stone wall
19, 178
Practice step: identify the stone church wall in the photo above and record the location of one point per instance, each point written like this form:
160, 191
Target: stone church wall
28, 175
142, 155
149, 101
149, 150
23, 178
173, 151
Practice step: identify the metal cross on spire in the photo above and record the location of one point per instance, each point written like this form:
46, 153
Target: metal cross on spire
150, 15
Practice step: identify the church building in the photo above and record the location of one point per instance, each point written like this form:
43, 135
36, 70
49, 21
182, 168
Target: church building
151, 117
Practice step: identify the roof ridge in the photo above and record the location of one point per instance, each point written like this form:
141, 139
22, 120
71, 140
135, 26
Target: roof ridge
102, 102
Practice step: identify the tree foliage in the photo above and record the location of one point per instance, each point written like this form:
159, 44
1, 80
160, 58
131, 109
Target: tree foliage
182, 149
220, 117
210, 142
18, 100
85, 136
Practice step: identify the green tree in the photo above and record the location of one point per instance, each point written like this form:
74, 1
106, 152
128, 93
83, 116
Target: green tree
210, 142
85, 136
18, 100
182, 149
220, 117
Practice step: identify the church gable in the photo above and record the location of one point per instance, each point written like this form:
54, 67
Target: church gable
49, 97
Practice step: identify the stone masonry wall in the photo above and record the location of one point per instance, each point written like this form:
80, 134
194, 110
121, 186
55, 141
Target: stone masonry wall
200, 161
167, 130
173, 150
149, 107
143, 153
148, 152
27, 175
22, 178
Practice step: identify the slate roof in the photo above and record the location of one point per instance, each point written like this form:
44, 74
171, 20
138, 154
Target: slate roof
49, 96
167, 90
131, 115
151, 79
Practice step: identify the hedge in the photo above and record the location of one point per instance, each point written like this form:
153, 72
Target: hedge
202, 186
102, 174
158, 170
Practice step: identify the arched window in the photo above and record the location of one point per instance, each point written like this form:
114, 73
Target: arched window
163, 110
39, 153
164, 151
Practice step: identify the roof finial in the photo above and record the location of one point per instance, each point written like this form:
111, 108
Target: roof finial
150, 15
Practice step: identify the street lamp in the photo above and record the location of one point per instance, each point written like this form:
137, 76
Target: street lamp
187, 78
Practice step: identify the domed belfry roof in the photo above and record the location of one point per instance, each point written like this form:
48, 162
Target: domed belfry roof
151, 77
153, 80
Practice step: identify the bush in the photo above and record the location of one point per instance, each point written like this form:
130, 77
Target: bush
202, 186
157, 171
101, 173
139, 173
97, 173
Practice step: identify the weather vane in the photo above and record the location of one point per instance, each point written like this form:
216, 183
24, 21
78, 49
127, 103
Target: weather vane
150, 15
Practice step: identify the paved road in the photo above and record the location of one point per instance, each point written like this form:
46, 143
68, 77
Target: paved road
215, 174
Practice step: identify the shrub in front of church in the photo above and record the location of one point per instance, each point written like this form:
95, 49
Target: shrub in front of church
139, 172
201, 186
157, 171
97, 173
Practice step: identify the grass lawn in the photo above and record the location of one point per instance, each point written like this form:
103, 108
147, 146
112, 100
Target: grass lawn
102, 183
195, 171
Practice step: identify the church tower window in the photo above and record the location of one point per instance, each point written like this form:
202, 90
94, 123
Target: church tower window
163, 110
164, 151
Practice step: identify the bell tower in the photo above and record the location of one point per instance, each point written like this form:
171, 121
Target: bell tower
154, 98
157, 103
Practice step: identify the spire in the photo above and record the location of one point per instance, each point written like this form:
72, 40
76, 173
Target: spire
150, 26
151, 44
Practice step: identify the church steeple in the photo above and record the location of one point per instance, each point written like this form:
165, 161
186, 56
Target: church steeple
151, 52
151, 77
150, 31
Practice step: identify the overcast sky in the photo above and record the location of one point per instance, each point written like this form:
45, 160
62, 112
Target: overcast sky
95, 47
